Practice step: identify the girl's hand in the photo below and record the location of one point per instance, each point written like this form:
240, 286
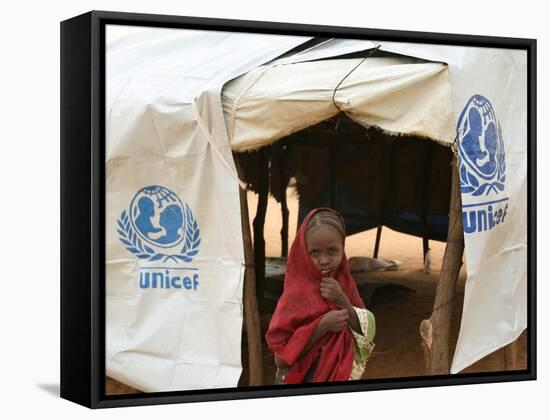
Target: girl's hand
331, 290
334, 321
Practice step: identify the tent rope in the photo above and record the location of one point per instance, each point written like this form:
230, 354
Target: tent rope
370, 52
215, 147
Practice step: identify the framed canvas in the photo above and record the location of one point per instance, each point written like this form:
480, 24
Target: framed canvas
257, 209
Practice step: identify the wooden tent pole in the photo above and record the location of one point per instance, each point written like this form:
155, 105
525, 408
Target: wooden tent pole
284, 228
278, 184
425, 247
377, 243
250, 303
390, 147
259, 222
435, 331
424, 193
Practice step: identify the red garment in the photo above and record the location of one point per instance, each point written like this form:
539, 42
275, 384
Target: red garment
299, 311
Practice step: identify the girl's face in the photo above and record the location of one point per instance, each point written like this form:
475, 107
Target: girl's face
325, 246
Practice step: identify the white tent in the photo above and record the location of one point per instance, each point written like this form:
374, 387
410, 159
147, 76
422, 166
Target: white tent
180, 101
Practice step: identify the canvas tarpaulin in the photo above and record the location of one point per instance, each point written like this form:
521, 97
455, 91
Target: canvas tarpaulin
490, 102
396, 94
483, 92
169, 141
174, 253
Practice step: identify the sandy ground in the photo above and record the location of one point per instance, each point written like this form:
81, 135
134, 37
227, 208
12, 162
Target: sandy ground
405, 299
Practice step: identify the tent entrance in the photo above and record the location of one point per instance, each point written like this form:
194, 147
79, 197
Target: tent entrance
372, 177
375, 179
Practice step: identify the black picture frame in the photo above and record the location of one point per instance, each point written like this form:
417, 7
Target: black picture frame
83, 204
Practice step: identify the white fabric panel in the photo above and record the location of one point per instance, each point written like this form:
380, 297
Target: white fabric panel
153, 138
495, 301
274, 101
268, 103
187, 336
399, 97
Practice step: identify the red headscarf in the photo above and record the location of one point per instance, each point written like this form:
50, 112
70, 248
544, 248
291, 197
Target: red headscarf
299, 311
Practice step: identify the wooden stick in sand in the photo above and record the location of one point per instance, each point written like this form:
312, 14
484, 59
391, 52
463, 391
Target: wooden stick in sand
251, 313
435, 331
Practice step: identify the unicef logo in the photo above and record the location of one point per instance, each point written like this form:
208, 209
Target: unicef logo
157, 224
482, 166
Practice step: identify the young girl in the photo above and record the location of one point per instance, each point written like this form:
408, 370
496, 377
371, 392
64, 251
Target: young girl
320, 330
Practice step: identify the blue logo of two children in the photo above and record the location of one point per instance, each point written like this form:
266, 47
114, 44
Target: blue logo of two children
157, 224
482, 166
